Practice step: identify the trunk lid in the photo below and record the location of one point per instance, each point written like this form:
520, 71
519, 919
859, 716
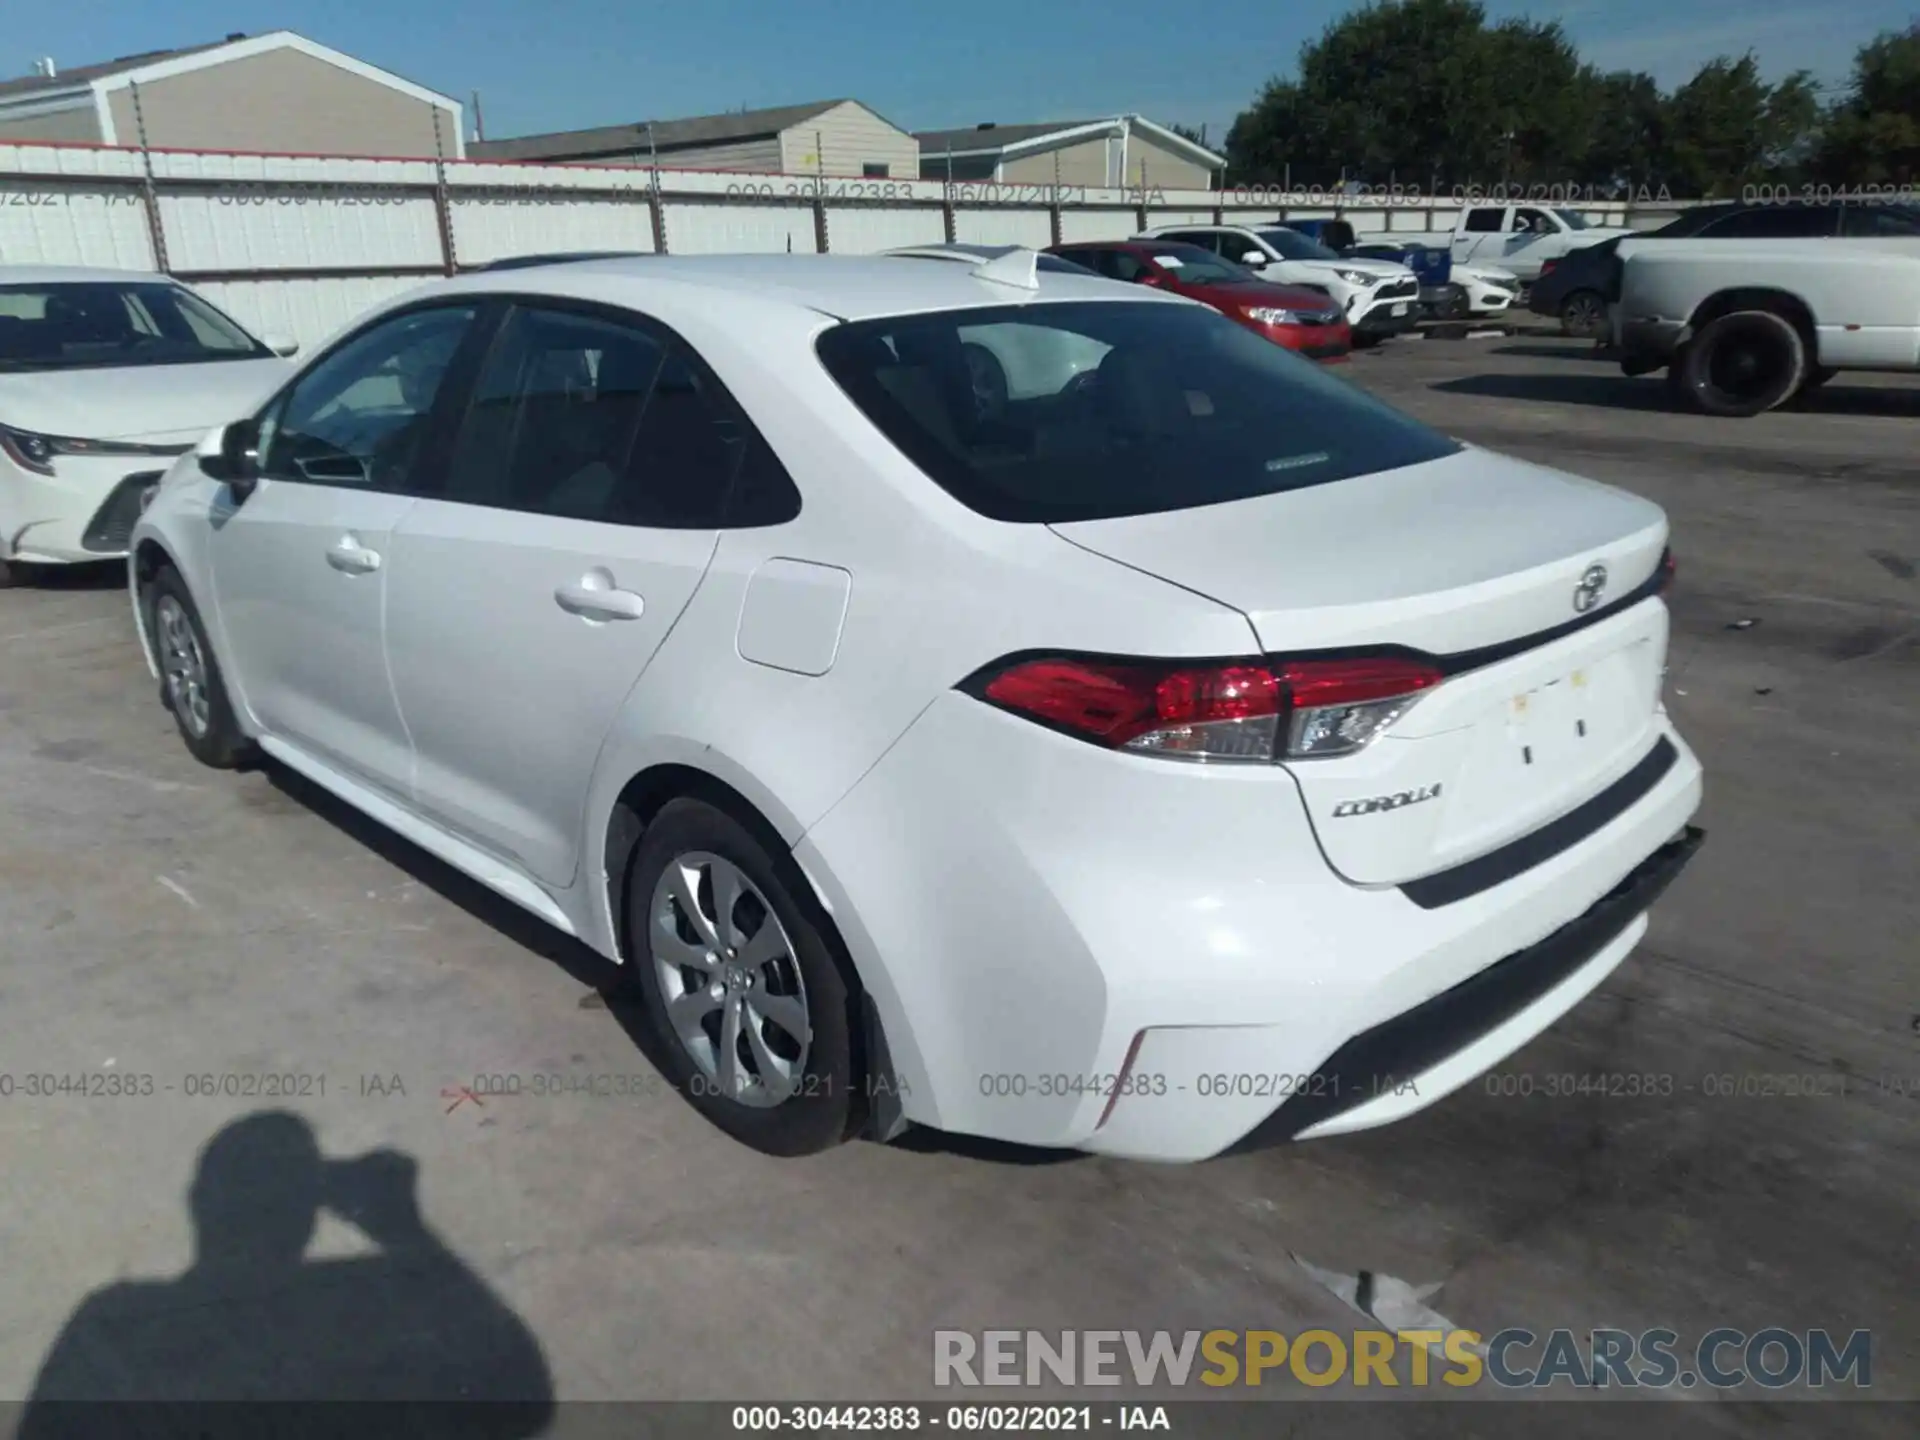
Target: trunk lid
1490, 565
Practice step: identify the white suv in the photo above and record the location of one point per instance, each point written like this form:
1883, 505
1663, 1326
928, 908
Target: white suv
1378, 297
1160, 748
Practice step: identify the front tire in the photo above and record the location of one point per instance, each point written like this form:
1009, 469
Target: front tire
190, 680
1742, 364
752, 1007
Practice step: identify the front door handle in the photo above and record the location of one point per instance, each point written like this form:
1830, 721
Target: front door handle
594, 603
351, 556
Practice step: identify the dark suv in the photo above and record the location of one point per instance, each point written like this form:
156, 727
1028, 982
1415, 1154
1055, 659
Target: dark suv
1577, 288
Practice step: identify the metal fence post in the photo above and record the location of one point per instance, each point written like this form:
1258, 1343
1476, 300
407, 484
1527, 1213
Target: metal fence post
653, 194
442, 208
655, 214
819, 196
149, 195
1053, 201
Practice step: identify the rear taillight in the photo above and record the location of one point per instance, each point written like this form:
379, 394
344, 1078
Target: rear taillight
1255, 709
1338, 706
1547, 267
1668, 569
1214, 712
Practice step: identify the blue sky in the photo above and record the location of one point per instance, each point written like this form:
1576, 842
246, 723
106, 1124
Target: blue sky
559, 64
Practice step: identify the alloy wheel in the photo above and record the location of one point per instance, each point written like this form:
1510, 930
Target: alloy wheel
728, 976
1582, 315
183, 665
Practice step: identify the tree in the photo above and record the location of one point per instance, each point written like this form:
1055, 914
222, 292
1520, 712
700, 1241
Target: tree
1727, 127
1872, 137
1426, 92
1545, 104
1399, 87
1628, 138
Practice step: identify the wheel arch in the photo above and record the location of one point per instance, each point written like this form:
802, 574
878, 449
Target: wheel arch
1783, 303
149, 557
642, 798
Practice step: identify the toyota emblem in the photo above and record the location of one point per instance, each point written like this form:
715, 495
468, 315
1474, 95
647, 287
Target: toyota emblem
1592, 584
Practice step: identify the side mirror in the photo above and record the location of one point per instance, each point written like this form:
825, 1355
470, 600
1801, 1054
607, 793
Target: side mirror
281, 345
234, 457
1151, 277
1254, 259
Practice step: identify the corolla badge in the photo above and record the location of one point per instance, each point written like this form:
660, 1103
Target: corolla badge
1592, 586
1373, 804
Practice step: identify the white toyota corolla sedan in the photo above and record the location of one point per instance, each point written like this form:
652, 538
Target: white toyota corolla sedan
105, 375
966, 695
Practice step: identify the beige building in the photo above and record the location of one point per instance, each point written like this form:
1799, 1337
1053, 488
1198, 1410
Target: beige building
828, 137
279, 93
1122, 150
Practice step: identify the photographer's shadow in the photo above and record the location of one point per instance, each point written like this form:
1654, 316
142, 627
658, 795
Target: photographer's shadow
254, 1320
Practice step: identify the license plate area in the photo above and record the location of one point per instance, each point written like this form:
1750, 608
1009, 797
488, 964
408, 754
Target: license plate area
1549, 744
1492, 754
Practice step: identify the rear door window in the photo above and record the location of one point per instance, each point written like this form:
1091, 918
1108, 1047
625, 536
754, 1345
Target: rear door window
1773, 222
1048, 413
1862, 222
595, 418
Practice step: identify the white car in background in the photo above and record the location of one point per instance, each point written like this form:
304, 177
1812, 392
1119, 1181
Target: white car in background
105, 375
1490, 289
1194, 753
1378, 297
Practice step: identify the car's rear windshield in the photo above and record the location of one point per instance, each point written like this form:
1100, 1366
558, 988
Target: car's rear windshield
1050, 412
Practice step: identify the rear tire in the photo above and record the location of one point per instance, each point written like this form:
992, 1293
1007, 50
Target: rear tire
190, 680
1583, 315
754, 1011
1742, 364
8, 576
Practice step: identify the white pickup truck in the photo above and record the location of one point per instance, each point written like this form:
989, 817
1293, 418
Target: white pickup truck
1519, 238
1742, 326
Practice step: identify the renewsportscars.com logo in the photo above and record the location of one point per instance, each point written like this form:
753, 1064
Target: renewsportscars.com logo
1773, 1358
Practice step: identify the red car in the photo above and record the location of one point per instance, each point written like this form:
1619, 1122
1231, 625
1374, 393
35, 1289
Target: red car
1305, 321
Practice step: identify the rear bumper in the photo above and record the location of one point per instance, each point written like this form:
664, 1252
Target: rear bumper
1087, 950
1436, 1046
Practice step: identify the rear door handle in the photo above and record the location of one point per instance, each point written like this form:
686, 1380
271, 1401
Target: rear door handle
351, 556
597, 604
